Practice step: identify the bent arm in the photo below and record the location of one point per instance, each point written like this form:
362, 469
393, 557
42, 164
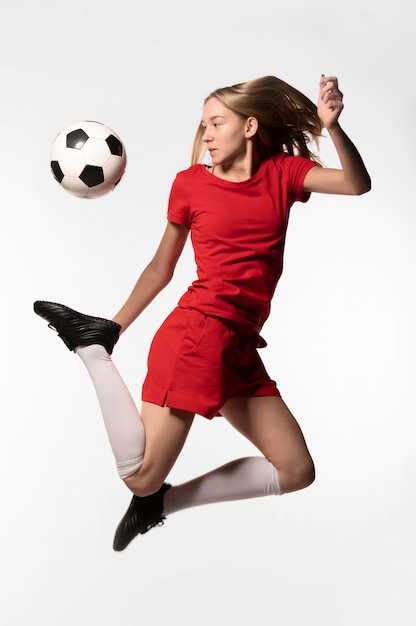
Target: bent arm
352, 178
155, 276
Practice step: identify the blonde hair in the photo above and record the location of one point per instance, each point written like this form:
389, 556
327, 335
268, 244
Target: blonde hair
287, 119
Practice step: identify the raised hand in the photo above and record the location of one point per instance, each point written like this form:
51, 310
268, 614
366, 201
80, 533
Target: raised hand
330, 102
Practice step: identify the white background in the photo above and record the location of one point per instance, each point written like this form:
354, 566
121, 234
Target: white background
341, 336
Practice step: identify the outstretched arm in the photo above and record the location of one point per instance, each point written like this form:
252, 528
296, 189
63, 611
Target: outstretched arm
155, 276
352, 178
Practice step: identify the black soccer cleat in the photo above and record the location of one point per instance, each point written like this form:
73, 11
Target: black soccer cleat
142, 515
76, 329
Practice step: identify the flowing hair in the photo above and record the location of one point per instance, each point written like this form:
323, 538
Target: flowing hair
287, 119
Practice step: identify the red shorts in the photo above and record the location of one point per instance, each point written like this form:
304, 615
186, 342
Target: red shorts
197, 362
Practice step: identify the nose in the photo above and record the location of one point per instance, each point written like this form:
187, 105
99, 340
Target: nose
206, 135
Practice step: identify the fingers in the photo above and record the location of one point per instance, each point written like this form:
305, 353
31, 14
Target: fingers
329, 91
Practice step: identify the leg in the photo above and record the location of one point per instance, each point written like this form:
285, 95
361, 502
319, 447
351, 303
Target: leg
93, 338
143, 467
121, 418
286, 465
166, 431
271, 427
145, 445
249, 477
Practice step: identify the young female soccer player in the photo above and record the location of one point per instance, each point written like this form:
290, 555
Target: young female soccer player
204, 360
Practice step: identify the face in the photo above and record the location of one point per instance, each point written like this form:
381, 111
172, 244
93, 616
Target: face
225, 133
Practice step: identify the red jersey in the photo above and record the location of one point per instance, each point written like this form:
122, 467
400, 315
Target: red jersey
238, 234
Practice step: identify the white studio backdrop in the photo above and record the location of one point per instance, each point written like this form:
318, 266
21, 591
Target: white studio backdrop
341, 335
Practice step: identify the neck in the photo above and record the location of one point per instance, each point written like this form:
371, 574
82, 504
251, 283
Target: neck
240, 170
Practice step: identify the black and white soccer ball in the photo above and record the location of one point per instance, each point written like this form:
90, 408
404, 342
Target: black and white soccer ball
88, 159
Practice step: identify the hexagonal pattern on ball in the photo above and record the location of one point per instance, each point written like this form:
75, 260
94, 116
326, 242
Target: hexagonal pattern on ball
88, 159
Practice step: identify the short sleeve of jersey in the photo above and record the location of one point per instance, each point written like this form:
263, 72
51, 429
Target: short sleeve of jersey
294, 170
178, 206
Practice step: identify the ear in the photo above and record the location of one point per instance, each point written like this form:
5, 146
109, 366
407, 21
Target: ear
251, 127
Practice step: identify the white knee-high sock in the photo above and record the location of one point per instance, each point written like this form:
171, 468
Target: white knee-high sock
250, 477
121, 418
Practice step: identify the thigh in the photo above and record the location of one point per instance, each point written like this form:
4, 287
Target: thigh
166, 432
267, 422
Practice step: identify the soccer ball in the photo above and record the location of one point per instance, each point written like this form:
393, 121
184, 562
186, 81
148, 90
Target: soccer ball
88, 159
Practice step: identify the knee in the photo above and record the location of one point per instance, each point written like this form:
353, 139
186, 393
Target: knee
298, 476
143, 484
307, 476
